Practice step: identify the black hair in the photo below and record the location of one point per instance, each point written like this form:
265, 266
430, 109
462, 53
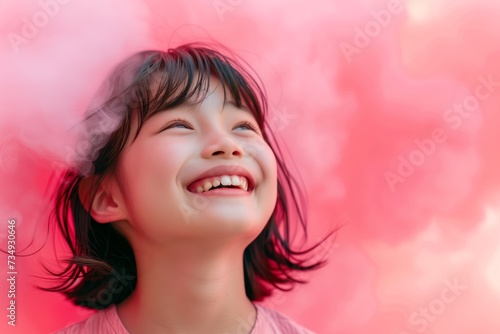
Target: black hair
99, 251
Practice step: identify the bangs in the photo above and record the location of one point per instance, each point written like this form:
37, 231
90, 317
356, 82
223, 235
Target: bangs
152, 81
166, 80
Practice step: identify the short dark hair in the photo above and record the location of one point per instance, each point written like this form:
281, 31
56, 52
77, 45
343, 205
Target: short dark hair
99, 251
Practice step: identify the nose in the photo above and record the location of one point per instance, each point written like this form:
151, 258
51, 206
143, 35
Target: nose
223, 147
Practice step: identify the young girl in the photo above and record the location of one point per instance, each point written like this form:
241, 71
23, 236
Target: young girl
178, 212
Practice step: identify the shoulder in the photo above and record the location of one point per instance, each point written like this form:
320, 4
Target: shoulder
271, 321
102, 322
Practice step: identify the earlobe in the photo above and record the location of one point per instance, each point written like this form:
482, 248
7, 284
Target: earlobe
105, 207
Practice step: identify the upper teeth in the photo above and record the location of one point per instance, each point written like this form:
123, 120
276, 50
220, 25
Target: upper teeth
225, 180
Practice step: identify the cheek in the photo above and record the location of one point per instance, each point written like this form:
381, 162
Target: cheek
156, 161
268, 194
274, 178
150, 175
267, 160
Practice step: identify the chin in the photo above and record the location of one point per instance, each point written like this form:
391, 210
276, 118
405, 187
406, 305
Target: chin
236, 226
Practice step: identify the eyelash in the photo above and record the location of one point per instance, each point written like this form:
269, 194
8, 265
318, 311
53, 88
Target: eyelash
178, 121
250, 125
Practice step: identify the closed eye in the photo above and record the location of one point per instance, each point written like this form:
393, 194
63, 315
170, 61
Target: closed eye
179, 122
176, 123
248, 125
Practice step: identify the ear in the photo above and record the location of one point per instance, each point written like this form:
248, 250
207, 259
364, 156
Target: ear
107, 205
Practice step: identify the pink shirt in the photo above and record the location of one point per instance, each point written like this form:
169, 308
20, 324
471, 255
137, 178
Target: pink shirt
107, 321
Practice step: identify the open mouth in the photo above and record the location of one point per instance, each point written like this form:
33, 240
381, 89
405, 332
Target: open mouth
221, 182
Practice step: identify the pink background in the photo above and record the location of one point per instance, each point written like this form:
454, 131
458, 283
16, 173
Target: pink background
365, 94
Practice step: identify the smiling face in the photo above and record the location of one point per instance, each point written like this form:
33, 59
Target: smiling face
181, 152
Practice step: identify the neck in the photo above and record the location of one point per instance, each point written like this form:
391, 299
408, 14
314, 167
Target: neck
189, 289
